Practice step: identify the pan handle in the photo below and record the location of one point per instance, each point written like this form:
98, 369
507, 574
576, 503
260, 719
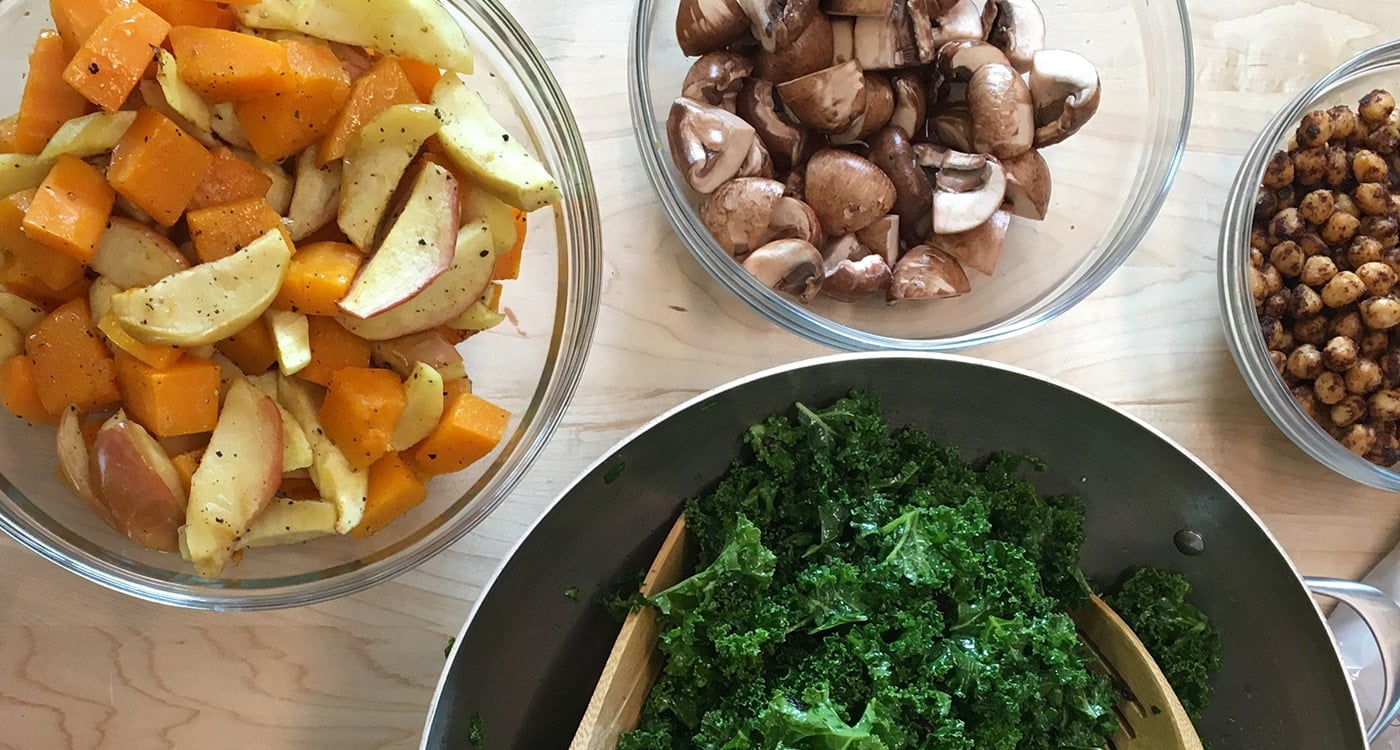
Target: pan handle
1382, 617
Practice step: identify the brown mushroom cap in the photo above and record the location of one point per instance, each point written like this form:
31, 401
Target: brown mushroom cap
847, 192
1003, 120
794, 220
879, 104
716, 78
829, 100
757, 163
1065, 88
1018, 29
978, 248
785, 142
965, 195
891, 151
883, 43
926, 273
852, 280
738, 214
957, 20
957, 61
1028, 185
837, 249
708, 144
881, 237
708, 25
952, 127
910, 103
793, 266
778, 23
809, 52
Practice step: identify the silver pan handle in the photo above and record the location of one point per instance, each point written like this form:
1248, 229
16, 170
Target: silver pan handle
1382, 617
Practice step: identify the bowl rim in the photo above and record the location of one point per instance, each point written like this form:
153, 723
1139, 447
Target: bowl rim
796, 318
1238, 316
579, 291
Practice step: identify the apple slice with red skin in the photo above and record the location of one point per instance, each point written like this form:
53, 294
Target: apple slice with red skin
134, 479
74, 460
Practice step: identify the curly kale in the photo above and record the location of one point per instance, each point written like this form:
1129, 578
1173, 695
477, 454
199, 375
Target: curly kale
1176, 633
866, 590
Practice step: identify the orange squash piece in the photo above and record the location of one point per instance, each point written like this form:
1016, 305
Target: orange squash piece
421, 75
252, 348
226, 66
17, 391
181, 399
185, 465
318, 277
332, 348
109, 64
362, 407
470, 428
507, 264
381, 87
158, 166
25, 254
193, 13
20, 279
220, 231
155, 355
229, 178
71, 208
71, 364
47, 101
299, 488
279, 124
394, 489
76, 19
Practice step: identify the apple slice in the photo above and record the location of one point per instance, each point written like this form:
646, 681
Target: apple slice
88, 135
74, 462
154, 97
11, 340
225, 124
209, 302
444, 299
344, 486
479, 204
315, 197
133, 476
494, 160
133, 254
291, 334
236, 478
418, 247
100, 296
22, 172
182, 98
296, 449
375, 162
287, 521
420, 29
429, 347
422, 410
478, 317
22, 313
279, 195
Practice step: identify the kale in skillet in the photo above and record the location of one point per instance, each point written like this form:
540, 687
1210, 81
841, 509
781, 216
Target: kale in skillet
1176, 633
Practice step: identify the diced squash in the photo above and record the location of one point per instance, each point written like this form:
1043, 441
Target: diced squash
229, 178
332, 348
381, 87
71, 364
47, 101
299, 488
193, 13
362, 407
394, 489
252, 348
26, 256
227, 66
318, 277
76, 19
280, 124
421, 75
471, 427
508, 264
71, 208
110, 62
18, 392
7, 134
219, 231
181, 399
20, 279
185, 464
155, 355
158, 166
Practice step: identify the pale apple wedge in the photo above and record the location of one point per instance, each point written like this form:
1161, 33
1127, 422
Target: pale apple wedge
22, 313
181, 97
237, 477
296, 448
444, 299
209, 302
342, 485
226, 126
429, 347
133, 476
74, 461
22, 172
11, 340
315, 196
89, 135
291, 334
417, 249
422, 410
133, 254
478, 317
100, 296
420, 29
479, 204
287, 521
375, 162
154, 97
279, 195
494, 159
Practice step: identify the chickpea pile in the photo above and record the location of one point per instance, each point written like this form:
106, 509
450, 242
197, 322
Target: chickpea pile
1325, 262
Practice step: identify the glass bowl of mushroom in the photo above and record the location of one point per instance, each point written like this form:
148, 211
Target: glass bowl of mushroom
910, 174
1309, 264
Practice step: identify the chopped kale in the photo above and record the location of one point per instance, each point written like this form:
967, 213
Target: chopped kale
1177, 634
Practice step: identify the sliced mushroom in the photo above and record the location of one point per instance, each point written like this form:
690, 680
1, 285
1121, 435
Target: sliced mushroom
883, 43
847, 191
881, 237
829, 100
757, 163
952, 127
708, 25
891, 151
879, 104
875, 8
739, 213
809, 52
957, 61
1028, 185
794, 220
1018, 29
910, 103
839, 249
958, 19
778, 23
1065, 89
926, 273
921, 21
855, 279
716, 78
978, 248
792, 266
1003, 120
785, 142
965, 197
708, 144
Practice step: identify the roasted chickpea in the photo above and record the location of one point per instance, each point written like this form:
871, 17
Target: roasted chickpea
1343, 122
1278, 305
1363, 250
1363, 377
1338, 356
1305, 362
1287, 197
1279, 172
1375, 107
1340, 228
1350, 410
1380, 313
1344, 204
1329, 388
1258, 288
1309, 166
1372, 198
1369, 166
1312, 244
1265, 205
1383, 138
1272, 331
1382, 229
1373, 344
1273, 280
1305, 302
1344, 289
1306, 399
1378, 278
1317, 206
1359, 438
1384, 405
1311, 330
1338, 166
1318, 270
1259, 241
1278, 359
1386, 451
1347, 325
1288, 258
1287, 224
1390, 366
1315, 129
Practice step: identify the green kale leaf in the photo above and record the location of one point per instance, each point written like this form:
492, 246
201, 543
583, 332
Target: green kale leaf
1177, 634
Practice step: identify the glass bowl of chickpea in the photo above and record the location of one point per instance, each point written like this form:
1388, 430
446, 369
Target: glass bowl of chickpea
1310, 269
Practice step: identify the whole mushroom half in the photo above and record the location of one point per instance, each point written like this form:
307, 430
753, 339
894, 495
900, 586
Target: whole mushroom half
926, 273
855, 279
847, 191
708, 144
716, 79
1028, 185
1018, 28
1003, 118
778, 23
1065, 88
891, 151
739, 212
811, 51
708, 25
829, 100
785, 141
968, 188
792, 266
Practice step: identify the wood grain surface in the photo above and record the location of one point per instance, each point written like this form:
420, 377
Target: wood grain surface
82, 667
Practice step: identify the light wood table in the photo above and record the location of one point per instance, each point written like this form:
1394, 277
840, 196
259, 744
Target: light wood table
83, 667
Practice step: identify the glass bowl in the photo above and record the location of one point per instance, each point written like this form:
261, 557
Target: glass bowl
1109, 181
529, 364
1378, 67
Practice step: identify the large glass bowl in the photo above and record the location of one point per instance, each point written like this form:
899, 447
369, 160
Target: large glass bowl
1378, 67
1109, 181
530, 364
